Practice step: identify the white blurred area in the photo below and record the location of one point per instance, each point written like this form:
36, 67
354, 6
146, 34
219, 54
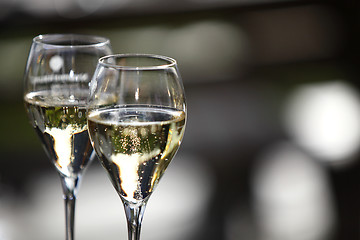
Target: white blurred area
175, 210
292, 196
324, 119
292, 192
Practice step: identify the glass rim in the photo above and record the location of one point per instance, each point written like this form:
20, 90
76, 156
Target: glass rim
97, 40
169, 62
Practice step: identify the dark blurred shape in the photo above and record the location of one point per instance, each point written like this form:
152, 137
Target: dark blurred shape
286, 35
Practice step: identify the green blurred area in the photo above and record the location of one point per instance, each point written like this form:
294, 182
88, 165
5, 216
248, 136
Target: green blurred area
19, 136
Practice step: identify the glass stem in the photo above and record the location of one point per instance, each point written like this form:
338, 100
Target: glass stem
69, 186
134, 215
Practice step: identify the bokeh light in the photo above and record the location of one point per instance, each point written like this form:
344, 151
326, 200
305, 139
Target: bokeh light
324, 118
292, 196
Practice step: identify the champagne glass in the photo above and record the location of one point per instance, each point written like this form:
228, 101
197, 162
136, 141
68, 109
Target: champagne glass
57, 76
136, 121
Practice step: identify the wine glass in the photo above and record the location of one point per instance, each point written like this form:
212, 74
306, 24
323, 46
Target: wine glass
136, 121
57, 76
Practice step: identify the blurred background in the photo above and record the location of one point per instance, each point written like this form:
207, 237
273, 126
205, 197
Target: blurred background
271, 149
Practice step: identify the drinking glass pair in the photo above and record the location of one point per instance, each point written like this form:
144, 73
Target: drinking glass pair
129, 108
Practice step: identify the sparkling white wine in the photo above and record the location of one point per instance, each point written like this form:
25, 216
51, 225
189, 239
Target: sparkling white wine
135, 145
60, 121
